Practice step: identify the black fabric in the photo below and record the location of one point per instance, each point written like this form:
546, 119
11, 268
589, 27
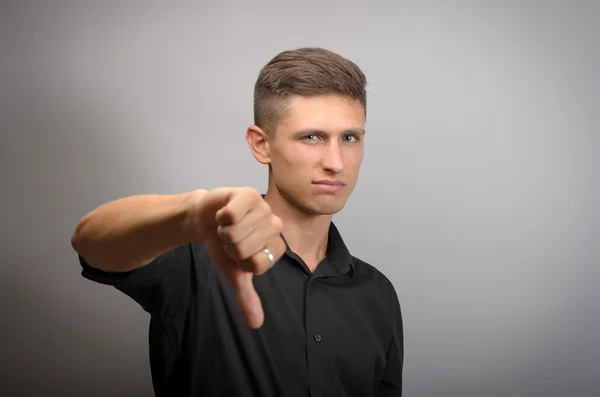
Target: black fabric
335, 332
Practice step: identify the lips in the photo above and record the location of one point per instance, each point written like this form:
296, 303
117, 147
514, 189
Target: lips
328, 182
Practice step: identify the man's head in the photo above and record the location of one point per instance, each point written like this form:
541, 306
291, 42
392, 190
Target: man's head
309, 116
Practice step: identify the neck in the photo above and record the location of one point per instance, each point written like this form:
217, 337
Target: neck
306, 234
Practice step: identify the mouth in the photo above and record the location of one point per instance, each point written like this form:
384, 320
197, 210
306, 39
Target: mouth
329, 182
328, 185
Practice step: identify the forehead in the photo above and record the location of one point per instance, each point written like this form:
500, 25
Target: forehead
324, 112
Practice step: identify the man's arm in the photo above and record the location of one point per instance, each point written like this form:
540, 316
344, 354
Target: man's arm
236, 226
128, 233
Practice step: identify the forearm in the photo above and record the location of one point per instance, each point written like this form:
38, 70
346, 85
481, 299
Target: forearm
130, 232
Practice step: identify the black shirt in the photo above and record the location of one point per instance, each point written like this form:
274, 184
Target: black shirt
334, 332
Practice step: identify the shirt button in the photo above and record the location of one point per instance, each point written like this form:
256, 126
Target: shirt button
318, 338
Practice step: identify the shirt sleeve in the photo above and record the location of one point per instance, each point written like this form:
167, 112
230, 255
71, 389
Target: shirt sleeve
164, 285
391, 383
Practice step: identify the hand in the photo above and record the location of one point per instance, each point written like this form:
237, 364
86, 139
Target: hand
237, 224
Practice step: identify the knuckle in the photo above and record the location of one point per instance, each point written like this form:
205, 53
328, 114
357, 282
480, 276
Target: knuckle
276, 223
252, 193
266, 209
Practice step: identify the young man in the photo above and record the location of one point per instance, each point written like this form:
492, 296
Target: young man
224, 320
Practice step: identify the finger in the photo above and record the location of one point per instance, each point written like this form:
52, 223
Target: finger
248, 300
256, 240
253, 243
212, 202
260, 263
254, 220
241, 201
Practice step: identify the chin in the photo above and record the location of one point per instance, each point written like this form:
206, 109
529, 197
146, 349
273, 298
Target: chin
328, 207
315, 204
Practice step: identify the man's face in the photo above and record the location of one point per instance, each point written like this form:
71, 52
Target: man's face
316, 152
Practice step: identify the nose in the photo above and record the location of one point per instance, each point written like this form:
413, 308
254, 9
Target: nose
332, 158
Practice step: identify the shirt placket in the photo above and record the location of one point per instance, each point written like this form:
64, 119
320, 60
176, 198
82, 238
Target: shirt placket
316, 339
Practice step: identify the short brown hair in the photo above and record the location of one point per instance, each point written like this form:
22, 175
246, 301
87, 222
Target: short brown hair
305, 72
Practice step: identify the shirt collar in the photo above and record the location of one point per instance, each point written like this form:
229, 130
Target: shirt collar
337, 254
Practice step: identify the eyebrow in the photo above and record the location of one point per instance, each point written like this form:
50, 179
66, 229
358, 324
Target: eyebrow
348, 131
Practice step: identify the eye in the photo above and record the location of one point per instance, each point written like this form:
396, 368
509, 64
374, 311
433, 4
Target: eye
311, 137
351, 138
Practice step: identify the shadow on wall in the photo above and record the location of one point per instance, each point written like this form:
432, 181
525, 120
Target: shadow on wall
61, 160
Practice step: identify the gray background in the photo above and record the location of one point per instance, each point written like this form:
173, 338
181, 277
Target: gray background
478, 196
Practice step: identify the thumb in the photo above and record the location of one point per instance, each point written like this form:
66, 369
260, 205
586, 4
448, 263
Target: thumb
219, 197
248, 299
212, 203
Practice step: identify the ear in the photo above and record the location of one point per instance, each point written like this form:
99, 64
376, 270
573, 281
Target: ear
259, 143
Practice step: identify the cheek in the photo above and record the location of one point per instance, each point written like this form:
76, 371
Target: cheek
301, 157
289, 165
354, 159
